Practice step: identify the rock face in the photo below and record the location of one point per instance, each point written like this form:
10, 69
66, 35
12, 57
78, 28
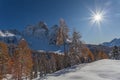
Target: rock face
39, 37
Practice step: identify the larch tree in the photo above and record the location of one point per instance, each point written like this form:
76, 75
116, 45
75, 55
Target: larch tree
90, 55
105, 56
62, 34
62, 39
4, 60
53, 61
44, 64
16, 65
102, 55
23, 60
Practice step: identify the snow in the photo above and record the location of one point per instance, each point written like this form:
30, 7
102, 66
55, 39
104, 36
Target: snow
69, 41
55, 52
58, 52
2, 34
100, 70
8, 77
6, 34
9, 34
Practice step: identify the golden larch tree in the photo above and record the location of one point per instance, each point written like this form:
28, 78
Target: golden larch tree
23, 60
4, 60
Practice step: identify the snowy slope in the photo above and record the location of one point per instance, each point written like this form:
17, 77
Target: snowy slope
99, 70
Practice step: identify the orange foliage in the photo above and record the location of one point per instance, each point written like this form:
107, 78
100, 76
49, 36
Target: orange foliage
4, 59
22, 60
102, 55
87, 54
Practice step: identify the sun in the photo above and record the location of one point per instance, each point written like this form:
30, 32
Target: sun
97, 17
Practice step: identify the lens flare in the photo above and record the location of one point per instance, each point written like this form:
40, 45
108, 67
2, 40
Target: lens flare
97, 17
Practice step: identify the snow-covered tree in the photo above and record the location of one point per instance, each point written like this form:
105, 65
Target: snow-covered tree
76, 44
75, 48
62, 34
62, 37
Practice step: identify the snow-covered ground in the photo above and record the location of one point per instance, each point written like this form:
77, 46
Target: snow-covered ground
98, 70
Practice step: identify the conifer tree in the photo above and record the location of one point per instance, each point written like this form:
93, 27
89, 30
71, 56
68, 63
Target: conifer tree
87, 54
22, 60
90, 56
62, 38
102, 55
4, 60
62, 34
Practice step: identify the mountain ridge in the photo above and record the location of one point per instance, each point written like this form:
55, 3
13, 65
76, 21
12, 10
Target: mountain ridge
112, 43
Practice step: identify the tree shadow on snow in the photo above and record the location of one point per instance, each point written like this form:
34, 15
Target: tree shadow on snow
68, 70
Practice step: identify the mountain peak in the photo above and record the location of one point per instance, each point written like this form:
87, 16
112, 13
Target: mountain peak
114, 42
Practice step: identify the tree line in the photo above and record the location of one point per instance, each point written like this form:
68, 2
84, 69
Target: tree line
18, 64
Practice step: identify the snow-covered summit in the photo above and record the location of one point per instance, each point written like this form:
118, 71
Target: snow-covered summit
9, 36
6, 34
114, 42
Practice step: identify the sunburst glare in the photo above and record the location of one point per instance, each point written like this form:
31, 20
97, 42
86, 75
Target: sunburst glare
97, 16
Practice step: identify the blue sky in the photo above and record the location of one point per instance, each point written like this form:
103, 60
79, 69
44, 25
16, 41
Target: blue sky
19, 13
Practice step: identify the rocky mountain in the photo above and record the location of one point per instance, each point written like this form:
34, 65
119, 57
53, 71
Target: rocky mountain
39, 37
114, 42
10, 36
